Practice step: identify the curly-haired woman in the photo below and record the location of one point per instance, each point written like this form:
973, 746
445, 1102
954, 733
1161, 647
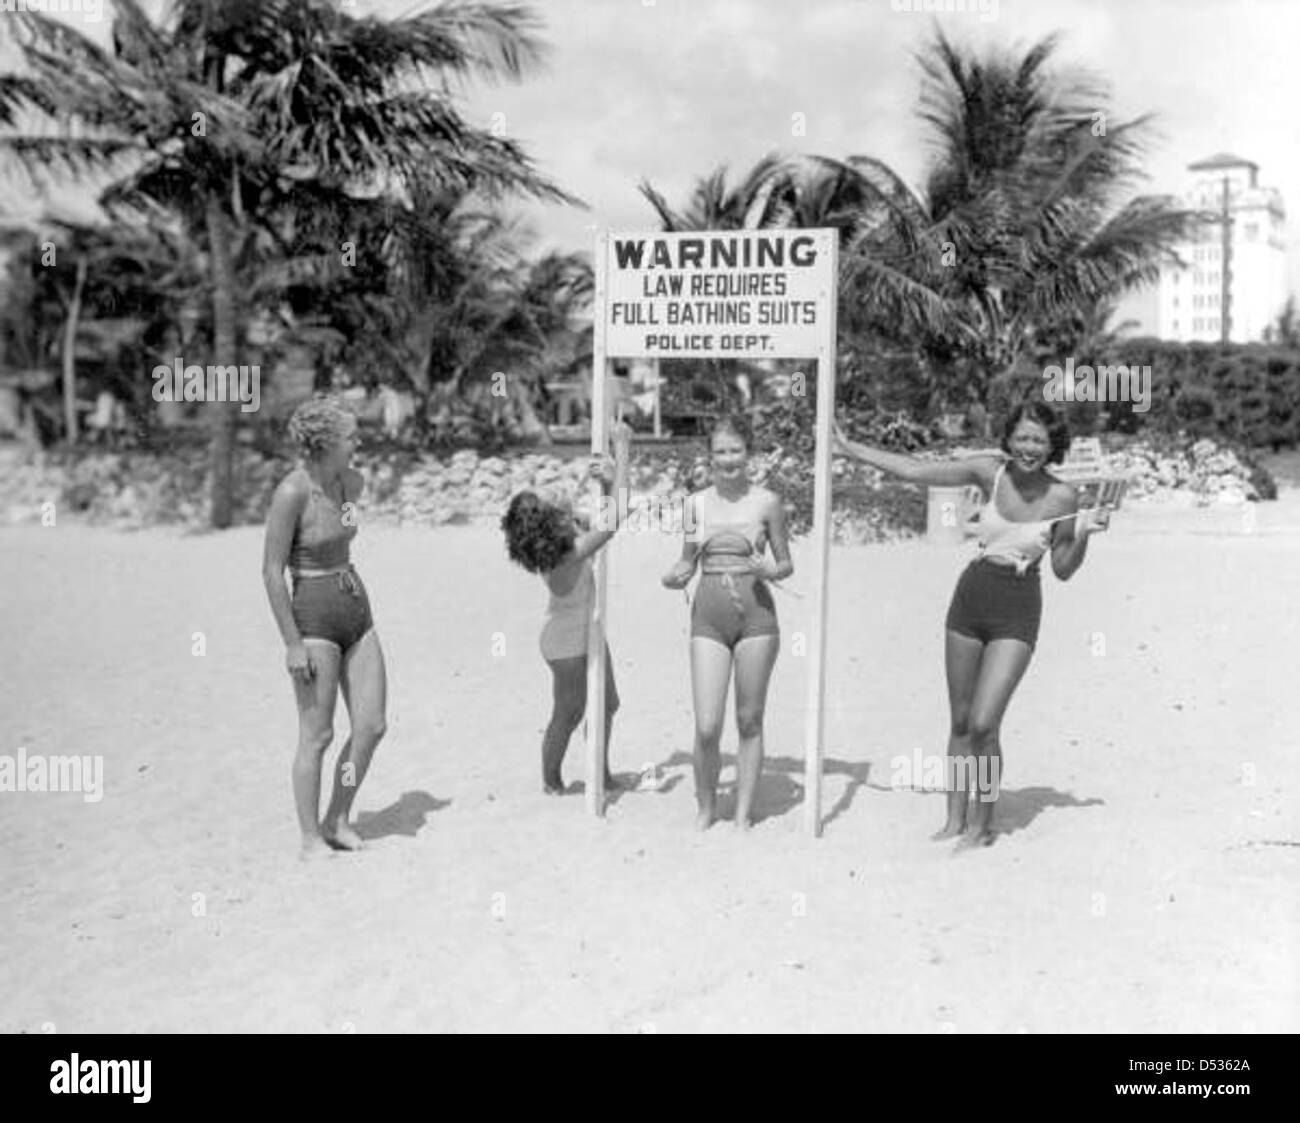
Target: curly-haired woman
993, 620
329, 636
544, 537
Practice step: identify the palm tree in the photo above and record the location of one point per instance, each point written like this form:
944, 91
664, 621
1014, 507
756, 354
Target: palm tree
109, 282
228, 110
1021, 219
749, 205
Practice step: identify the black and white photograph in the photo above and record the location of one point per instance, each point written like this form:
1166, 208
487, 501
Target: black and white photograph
650, 517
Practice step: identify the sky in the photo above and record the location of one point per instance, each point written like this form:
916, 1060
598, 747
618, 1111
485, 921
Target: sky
668, 90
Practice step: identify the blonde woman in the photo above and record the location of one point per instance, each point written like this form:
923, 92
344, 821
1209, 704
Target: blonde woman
329, 636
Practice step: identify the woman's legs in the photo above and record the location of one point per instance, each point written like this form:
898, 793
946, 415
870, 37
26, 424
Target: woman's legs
755, 657
569, 703
710, 674
1001, 670
962, 662
365, 692
611, 708
315, 697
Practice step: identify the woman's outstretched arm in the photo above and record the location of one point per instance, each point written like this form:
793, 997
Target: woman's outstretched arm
976, 470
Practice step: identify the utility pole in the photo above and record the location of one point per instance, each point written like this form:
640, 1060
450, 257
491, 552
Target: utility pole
1225, 288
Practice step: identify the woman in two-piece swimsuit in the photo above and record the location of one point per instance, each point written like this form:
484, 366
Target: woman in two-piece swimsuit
544, 538
994, 616
733, 620
329, 637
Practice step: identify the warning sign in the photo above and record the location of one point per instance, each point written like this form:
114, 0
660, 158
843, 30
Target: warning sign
757, 294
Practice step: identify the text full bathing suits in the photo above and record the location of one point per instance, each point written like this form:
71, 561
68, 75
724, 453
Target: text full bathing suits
730, 603
329, 601
994, 600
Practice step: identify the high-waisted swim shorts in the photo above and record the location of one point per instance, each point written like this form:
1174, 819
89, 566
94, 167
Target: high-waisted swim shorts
333, 607
992, 601
731, 607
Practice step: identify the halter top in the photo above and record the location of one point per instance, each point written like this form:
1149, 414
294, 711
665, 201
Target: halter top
322, 537
1023, 543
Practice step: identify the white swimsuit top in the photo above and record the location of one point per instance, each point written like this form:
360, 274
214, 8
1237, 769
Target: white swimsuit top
1023, 543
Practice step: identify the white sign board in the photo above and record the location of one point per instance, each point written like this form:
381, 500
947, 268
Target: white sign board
751, 294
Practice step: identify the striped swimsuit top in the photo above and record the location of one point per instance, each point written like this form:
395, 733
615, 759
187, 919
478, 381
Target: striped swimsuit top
728, 547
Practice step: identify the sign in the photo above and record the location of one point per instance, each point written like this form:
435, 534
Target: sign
747, 294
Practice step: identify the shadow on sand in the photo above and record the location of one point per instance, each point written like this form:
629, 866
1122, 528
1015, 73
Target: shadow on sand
627, 782
780, 787
404, 817
1018, 807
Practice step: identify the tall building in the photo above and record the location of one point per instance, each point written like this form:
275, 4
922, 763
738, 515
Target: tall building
1241, 275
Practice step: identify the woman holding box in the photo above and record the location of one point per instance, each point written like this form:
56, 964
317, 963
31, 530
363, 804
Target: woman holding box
994, 616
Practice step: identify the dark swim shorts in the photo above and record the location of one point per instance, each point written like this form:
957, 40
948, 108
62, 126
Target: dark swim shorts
333, 607
992, 601
728, 608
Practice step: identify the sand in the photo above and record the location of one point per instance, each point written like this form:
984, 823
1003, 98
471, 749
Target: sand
1146, 879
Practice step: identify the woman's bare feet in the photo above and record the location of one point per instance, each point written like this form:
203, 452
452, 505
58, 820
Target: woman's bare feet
957, 802
341, 836
971, 840
704, 819
314, 848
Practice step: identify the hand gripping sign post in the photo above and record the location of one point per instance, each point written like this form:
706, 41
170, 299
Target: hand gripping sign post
724, 294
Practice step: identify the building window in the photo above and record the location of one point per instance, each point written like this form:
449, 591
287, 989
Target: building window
1175, 325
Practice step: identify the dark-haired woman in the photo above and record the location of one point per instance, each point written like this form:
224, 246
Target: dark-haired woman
993, 619
544, 538
733, 619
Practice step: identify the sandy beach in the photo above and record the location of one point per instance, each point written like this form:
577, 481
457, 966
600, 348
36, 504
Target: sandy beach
1146, 879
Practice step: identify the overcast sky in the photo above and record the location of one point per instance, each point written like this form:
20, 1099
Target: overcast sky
669, 89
